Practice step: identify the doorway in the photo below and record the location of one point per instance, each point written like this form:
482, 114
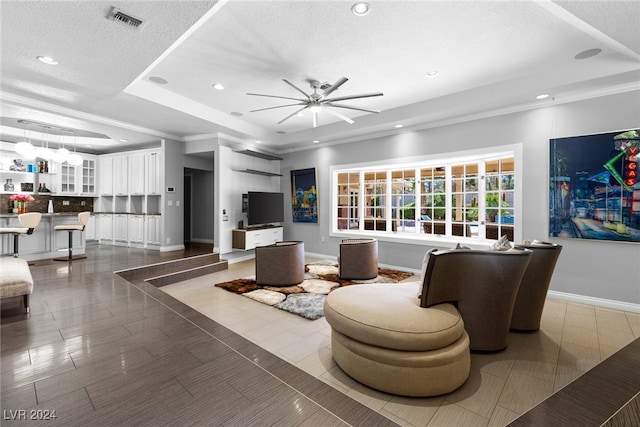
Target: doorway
187, 207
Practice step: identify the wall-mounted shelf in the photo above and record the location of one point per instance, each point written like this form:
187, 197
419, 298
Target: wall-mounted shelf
253, 153
257, 172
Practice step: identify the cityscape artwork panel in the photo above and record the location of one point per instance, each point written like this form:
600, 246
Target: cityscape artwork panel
594, 190
304, 195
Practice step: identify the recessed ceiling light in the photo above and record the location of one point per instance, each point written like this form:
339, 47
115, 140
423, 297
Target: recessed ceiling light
218, 86
124, 140
542, 96
432, 73
360, 8
398, 126
258, 142
588, 53
315, 141
300, 114
236, 113
158, 80
47, 60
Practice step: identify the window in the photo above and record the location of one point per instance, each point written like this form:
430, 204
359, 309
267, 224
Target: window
471, 197
464, 200
348, 196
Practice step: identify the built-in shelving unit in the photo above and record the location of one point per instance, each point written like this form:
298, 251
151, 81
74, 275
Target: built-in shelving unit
260, 155
253, 153
257, 172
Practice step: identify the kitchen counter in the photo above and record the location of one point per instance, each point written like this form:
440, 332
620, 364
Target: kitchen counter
45, 242
44, 215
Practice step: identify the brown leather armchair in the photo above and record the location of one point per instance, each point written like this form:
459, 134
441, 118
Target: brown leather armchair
482, 284
280, 264
358, 259
532, 294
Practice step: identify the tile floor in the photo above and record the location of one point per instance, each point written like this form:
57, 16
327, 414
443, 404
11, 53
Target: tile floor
573, 339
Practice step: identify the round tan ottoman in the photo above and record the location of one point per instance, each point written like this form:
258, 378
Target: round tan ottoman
381, 337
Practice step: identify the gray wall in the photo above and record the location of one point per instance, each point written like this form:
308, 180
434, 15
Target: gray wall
590, 269
173, 215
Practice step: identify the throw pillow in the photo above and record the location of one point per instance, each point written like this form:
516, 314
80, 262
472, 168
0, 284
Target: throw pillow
541, 243
502, 244
423, 270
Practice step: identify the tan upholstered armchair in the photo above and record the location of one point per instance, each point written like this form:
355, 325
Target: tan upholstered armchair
482, 284
280, 264
532, 294
358, 259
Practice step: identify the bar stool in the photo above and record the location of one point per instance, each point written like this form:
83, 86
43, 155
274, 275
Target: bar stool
83, 218
29, 222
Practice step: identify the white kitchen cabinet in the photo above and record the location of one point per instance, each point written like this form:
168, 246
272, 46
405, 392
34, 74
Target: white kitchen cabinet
120, 228
89, 185
136, 230
136, 172
120, 175
90, 229
67, 177
105, 176
77, 179
105, 228
153, 174
153, 237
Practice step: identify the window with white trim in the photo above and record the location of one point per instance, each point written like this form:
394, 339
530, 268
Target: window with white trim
460, 198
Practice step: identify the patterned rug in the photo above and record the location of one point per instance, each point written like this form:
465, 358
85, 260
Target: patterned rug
307, 298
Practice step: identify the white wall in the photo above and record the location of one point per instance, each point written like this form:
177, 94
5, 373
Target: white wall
231, 183
590, 269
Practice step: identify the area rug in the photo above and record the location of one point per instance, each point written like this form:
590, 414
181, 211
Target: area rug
307, 298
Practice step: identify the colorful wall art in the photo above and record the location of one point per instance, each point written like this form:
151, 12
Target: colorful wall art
304, 195
594, 189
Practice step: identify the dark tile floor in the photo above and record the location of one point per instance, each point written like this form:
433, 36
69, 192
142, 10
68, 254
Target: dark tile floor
98, 350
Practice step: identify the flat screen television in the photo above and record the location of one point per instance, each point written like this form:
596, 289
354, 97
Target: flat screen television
264, 208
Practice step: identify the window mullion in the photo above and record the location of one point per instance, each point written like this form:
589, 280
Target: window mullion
361, 201
448, 191
387, 198
482, 187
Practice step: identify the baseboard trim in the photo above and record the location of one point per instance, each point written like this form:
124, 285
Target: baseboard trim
599, 302
171, 248
206, 241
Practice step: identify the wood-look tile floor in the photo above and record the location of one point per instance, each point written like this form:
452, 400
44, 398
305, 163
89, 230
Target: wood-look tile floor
99, 350
502, 386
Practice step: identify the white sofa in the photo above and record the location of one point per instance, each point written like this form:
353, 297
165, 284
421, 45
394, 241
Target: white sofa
15, 279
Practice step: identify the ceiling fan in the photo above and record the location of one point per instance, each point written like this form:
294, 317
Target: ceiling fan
316, 102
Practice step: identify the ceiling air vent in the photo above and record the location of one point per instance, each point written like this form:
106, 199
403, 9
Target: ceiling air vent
119, 16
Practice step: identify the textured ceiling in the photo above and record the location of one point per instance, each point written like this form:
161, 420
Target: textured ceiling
491, 56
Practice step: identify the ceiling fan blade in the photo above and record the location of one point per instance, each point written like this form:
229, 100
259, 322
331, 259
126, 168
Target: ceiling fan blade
335, 86
315, 119
338, 115
365, 95
279, 106
293, 114
350, 107
276, 96
296, 88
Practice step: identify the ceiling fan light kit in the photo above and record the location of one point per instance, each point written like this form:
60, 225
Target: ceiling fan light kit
316, 102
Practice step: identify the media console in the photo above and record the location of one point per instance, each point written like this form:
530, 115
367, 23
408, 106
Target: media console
259, 236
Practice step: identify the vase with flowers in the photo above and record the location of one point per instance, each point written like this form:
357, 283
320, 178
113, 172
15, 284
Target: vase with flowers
20, 202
